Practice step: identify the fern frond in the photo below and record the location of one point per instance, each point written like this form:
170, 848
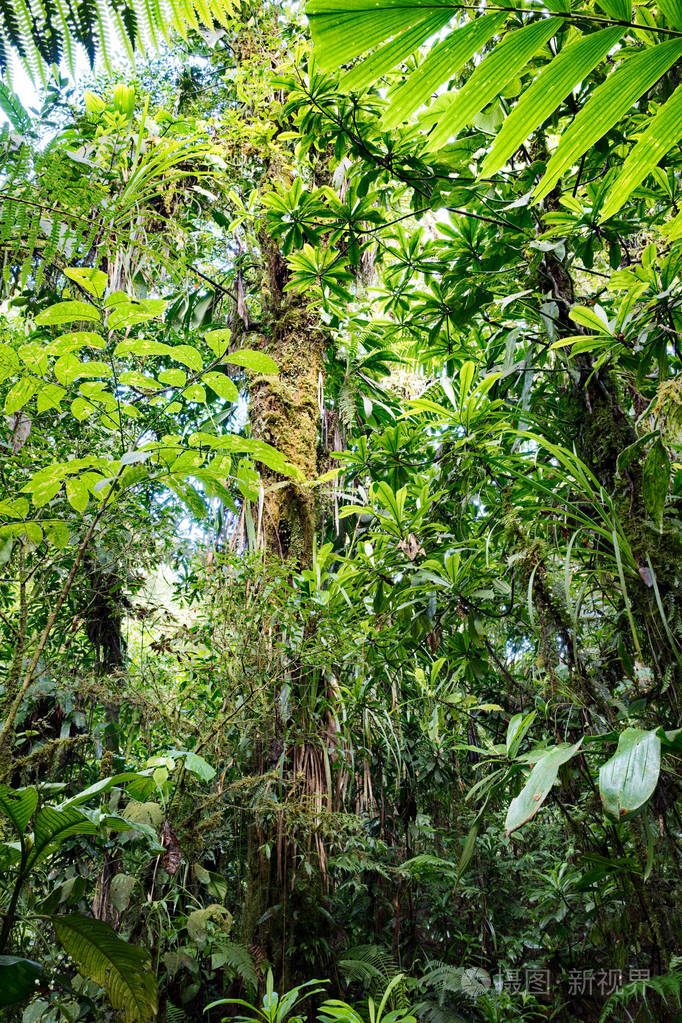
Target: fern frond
174, 1014
375, 967
667, 986
239, 962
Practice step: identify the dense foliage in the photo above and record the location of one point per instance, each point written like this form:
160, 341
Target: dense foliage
340, 555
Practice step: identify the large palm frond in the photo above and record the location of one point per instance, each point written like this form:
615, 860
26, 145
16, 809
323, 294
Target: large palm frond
44, 32
551, 49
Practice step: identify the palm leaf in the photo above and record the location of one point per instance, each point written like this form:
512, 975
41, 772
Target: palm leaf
390, 54
445, 61
549, 89
344, 30
661, 134
490, 77
102, 27
608, 103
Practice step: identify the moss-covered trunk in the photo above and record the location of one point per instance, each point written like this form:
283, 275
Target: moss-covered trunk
284, 412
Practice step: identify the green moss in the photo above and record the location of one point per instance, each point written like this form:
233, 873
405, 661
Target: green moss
285, 413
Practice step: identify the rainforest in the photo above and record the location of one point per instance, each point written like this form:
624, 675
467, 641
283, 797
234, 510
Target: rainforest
340, 511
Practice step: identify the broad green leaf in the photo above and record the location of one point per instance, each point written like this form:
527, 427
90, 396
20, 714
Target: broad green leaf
77, 494
126, 313
194, 763
49, 397
173, 377
132, 378
6, 550
468, 849
191, 497
16, 509
443, 62
465, 379
143, 347
548, 90
123, 970
68, 369
259, 449
52, 827
524, 807
67, 312
660, 135
18, 979
629, 778
188, 355
195, 392
587, 317
516, 730
122, 887
18, 805
57, 533
656, 481
74, 341
259, 362
9, 362
222, 385
43, 495
498, 68
606, 106
248, 480
20, 394
218, 340
94, 281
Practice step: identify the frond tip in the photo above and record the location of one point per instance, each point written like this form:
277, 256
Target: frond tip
101, 27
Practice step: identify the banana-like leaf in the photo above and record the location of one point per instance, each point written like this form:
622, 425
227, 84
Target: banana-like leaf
629, 778
490, 77
52, 827
661, 134
18, 805
549, 89
123, 970
539, 784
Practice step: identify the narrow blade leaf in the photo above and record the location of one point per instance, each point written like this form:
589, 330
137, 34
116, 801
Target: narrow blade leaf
549, 89
504, 63
661, 134
608, 104
443, 62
